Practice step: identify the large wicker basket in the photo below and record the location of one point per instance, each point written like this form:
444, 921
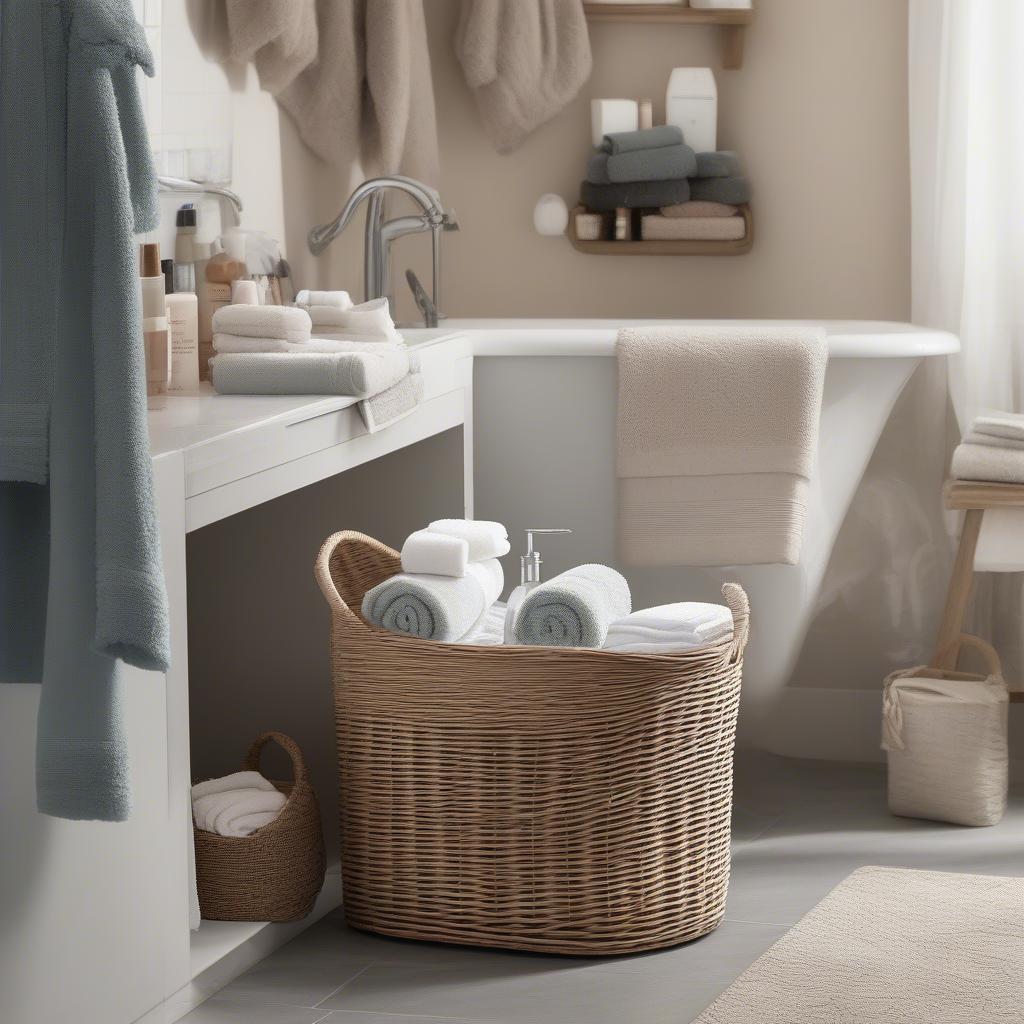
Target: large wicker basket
566, 801
276, 873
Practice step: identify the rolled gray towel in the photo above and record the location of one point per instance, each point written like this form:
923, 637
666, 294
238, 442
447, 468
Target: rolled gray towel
635, 194
574, 609
442, 608
644, 138
642, 165
720, 190
721, 164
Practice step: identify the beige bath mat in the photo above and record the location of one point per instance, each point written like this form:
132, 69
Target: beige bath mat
890, 946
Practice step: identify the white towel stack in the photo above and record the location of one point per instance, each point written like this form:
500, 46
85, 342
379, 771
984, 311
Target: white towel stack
334, 314
992, 449
670, 628
236, 805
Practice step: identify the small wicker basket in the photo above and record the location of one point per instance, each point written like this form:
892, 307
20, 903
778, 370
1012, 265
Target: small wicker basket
276, 873
549, 799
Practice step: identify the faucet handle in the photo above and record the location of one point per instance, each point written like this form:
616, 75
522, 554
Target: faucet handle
426, 307
450, 221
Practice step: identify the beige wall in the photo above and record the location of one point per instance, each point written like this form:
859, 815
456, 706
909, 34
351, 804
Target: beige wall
818, 113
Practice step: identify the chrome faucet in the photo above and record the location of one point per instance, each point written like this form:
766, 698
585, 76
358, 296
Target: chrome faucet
380, 233
166, 183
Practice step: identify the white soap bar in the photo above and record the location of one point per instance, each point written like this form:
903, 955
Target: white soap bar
608, 116
691, 104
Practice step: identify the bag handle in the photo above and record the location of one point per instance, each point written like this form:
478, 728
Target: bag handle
290, 747
736, 598
952, 651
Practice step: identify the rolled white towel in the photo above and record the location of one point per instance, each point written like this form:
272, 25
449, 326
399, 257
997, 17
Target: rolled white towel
486, 539
686, 620
338, 299
237, 780
442, 608
437, 554
228, 813
286, 322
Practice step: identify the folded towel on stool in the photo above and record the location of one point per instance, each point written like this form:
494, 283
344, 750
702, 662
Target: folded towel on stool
706, 229
719, 190
642, 165
700, 208
393, 403
358, 374
993, 441
644, 138
237, 812
721, 164
237, 780
285, 322
441, 608
573, 609
486, 539
338, 300
635, 194
1007, 425
987, 462
436, 554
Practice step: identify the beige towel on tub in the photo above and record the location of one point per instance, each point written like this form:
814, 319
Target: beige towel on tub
717, 433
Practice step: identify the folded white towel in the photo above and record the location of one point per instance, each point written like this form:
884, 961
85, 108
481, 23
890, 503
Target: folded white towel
315, 343
669, 647
338, 299
237, 780
438, 554
371, 321
1000, 424
286, 322
987, 462
993, 441
228, 813
486, 539
692, 622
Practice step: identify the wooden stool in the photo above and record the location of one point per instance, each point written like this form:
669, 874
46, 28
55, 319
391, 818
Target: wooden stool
973, 498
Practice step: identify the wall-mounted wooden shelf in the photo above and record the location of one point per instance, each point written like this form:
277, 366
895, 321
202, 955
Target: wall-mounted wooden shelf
732, 20
661, 246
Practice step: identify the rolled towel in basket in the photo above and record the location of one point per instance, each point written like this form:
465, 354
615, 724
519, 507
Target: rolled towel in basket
236, 780
237, 812
573, 609
441, 608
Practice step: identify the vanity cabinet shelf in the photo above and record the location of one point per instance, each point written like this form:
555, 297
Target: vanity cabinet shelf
732, 20
662, 246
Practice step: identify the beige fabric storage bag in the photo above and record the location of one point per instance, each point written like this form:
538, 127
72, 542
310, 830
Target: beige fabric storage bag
945, 733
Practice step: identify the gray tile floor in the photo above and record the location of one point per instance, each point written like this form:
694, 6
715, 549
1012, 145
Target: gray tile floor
799, 828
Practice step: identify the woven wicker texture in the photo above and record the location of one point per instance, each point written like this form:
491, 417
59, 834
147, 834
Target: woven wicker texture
276, 873
568, 801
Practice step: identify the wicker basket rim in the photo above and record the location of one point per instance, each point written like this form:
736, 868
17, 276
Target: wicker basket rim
732, 648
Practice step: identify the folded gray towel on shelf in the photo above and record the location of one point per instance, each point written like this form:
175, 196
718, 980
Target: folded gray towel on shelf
642, 165
644, 138
573, 609
442, 608
635, 194
989, 463
393, 403
358, 374
723, 163
719, 190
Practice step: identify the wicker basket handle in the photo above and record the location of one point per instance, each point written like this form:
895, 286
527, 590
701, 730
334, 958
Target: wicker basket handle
356, 561
290, 747
988, 652
736, 598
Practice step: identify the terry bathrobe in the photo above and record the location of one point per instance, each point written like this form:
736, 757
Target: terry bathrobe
81, 577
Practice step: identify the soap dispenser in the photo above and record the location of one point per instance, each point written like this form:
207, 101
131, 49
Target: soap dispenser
529, 577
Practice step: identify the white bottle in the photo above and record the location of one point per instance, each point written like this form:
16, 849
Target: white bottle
183, 327
529, 577
691, 104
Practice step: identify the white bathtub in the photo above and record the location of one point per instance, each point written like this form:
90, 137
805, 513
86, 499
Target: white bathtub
544, 437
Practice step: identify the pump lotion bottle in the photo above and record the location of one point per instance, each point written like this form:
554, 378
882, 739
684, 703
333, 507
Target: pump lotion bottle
529, 577
183, 327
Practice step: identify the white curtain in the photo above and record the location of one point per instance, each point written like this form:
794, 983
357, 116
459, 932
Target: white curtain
966, 90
